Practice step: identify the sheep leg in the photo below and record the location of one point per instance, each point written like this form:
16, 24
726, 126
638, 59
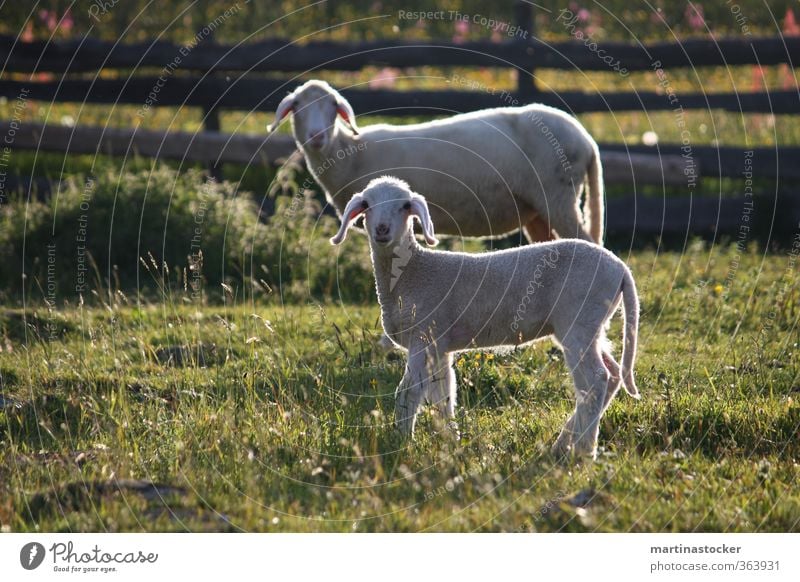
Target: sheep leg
411, 391
579, 435
443, 385
566, 218
538, 230
443, 389
614, 380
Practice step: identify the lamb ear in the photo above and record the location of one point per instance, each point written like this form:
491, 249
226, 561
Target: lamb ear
345, 111
419, 208
352, 211
285, 107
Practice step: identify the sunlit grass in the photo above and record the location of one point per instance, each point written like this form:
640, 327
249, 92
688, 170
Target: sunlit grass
285, 424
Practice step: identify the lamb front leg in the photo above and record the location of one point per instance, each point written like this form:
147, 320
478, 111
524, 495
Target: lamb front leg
443, 389
411, 390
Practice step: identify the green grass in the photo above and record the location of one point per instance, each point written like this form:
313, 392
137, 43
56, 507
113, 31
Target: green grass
278, 418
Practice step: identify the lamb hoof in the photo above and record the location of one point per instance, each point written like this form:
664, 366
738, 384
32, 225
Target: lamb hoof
405, 427
562, 450
563, 445
569, 453
452, 431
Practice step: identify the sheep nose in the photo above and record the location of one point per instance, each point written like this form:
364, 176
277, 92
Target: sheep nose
382, 229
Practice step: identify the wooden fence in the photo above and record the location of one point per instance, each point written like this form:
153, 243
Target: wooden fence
218, 77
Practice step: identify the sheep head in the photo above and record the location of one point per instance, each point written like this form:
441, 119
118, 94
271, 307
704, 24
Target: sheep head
388, 205
315, 105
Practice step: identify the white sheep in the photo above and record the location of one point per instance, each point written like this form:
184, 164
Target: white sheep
487, 173
437, 303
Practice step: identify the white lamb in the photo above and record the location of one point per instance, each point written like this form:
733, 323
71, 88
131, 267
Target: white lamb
487, 173
437, 303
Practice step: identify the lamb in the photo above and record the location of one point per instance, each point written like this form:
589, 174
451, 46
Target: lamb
435, 304
487, 173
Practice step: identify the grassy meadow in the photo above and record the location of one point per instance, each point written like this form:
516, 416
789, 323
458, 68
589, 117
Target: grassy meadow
163, 414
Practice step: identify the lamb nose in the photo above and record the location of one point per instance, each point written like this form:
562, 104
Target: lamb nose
382, 229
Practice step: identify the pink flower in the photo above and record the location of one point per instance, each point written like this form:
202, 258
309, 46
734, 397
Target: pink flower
694, 16
462, 30
790, 26
657, 17
50, 19
386, 77
27, 34
584, 15
758, 81
67, 22
788, 80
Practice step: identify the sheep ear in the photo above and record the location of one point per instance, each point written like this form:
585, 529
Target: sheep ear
345, 111
419, 208
285, 107
352, 211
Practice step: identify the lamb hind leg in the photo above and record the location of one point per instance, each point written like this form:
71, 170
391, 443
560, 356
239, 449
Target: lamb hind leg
579, 435
614, 380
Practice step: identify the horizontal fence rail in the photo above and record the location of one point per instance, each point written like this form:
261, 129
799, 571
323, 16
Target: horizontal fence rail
634, 164
284, 55
769, 217
619, 167
248, 94
630, 165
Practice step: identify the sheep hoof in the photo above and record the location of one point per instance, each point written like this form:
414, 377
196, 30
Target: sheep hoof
451, 430
562, 450
567, 452
405, 427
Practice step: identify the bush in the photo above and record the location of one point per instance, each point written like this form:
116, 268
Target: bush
174, 232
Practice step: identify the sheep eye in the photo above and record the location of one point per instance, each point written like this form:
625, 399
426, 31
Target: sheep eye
364, 205
407, 206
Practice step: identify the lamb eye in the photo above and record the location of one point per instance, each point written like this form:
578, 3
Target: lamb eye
407, 206
364, 205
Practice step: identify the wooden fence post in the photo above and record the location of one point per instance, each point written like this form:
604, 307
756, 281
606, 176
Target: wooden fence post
526, 85
211, 122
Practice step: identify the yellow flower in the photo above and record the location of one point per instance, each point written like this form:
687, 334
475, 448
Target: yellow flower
718, 289
490, 356
477, 355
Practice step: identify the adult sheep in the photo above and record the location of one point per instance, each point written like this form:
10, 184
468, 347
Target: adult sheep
486, 173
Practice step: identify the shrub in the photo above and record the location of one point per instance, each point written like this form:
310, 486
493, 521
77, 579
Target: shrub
168, 230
